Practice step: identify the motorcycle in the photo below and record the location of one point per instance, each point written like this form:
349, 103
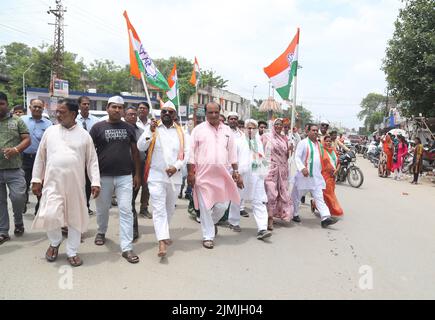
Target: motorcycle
428, 163
348, 170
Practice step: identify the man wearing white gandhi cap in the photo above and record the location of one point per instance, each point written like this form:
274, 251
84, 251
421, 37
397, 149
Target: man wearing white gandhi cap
168, 151
253, 168
237, 209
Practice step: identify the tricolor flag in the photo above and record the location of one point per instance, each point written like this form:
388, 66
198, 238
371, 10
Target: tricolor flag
140, 61
196, 74
284, 68
173, 84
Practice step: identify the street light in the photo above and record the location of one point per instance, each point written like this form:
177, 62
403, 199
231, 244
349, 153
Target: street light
24, 86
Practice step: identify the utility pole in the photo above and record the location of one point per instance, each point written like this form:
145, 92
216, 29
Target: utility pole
57, 63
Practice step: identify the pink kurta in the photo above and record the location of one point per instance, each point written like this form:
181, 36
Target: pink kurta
212, 151
401, 152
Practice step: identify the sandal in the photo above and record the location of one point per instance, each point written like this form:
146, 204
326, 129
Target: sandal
130, 256
75, 261
162, 248
19, 230
208, 244
100, 239
54, 253
168, 242
4, 238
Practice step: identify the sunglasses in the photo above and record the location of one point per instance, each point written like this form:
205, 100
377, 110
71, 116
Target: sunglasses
167, 111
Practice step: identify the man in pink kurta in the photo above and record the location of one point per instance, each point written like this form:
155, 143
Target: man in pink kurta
212, 152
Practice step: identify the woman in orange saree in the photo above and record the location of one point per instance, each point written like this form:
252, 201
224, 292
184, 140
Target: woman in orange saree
388, 148
330, 166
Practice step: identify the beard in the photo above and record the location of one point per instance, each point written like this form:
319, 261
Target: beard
167, 120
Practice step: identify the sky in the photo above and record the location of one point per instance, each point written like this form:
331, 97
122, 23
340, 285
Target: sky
342, 42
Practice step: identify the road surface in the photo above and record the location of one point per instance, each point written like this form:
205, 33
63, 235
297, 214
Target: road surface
383, 248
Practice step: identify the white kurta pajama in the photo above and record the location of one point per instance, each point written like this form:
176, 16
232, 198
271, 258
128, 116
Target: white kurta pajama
60, 163
163, 195
315, 184
253, 181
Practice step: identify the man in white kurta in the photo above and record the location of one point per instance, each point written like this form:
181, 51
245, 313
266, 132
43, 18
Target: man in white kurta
309, 176
164, 178
236, 209
253, 169
64, 153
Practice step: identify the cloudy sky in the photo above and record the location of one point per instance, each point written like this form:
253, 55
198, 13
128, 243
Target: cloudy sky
342, 42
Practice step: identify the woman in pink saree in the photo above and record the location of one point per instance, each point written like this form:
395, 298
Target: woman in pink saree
279, 204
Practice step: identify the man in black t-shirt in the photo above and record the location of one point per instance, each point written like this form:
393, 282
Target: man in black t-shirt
115, 141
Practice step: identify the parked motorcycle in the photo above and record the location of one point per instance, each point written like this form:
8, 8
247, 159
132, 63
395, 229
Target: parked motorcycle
348, 170
428, 163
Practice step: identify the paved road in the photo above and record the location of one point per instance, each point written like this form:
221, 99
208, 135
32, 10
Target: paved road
387, 232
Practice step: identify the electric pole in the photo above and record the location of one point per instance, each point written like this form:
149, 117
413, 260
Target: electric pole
57, 64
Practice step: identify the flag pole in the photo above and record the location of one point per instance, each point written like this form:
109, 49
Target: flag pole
178, 100
147, 94
292, 122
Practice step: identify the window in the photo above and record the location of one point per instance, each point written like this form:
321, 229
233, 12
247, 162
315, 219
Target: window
231, 106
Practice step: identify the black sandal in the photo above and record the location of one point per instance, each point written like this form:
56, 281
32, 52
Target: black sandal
19, 230
130, 256
100, 239
4, 238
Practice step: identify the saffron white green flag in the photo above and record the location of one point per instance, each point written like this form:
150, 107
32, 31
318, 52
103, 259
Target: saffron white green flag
282, 71
173, 84
141, 62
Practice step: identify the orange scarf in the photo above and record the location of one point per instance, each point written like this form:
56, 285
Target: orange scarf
153, 143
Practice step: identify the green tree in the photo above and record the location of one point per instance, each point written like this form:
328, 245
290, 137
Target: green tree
184, 70
15, 58
107, 77
209, 78
410, 58
373, 110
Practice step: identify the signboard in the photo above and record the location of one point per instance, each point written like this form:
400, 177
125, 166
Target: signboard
60, 88
182, 111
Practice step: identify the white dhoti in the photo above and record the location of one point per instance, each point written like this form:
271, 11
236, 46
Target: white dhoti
209, 217
317, 195
163, 199
72, 243
254, 191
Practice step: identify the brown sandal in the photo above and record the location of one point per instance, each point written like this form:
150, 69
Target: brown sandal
208, 244
54, 253
130, 256
75, 261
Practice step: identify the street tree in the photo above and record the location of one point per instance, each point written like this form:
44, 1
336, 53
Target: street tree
409, 62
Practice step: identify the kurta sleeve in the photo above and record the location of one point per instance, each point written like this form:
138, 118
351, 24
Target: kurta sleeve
143, 143
192, 147
232, 149
181, 163
299, 156
40, 164
92, 163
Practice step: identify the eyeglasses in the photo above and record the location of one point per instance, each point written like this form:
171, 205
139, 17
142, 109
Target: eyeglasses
167, 111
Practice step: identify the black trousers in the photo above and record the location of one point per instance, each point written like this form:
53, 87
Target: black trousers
28, 162
87, 189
